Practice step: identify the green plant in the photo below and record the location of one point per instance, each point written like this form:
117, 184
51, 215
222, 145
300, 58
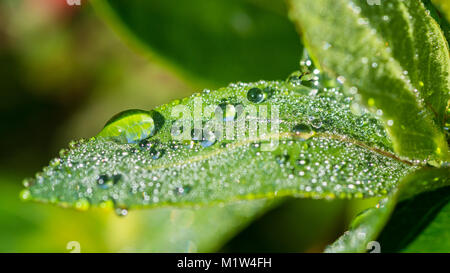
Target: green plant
365, 116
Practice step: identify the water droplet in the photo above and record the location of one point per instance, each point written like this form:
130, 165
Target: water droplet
105, 181
63, 152
25, 195
295, 78
121, 212
130, 126
108, 204
256, 95
301, 128
55, 162
82, 205
255, 145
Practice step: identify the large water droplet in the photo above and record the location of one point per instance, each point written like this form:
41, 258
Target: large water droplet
282, 159
301, 128
130, 126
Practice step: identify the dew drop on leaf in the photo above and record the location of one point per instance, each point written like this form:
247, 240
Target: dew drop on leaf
130, 126
209, 139
256, 95
121, 212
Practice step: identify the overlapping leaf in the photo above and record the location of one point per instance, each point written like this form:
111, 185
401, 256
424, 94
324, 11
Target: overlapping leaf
394, 55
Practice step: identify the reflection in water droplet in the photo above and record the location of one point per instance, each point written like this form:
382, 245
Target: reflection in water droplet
25, 195
225, 111
282, 159
183, 190
82, 205
28, 182
156, 153
295, 78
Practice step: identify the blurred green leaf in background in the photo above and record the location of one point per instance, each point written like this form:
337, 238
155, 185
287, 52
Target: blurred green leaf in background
214, 42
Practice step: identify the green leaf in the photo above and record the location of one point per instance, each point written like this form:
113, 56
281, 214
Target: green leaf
309, 143
213, 41
394, 55
444, 6
367, 226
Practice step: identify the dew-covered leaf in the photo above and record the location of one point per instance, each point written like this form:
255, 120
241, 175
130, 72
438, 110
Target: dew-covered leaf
302, 137
394, 56
367, 226
214, 41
